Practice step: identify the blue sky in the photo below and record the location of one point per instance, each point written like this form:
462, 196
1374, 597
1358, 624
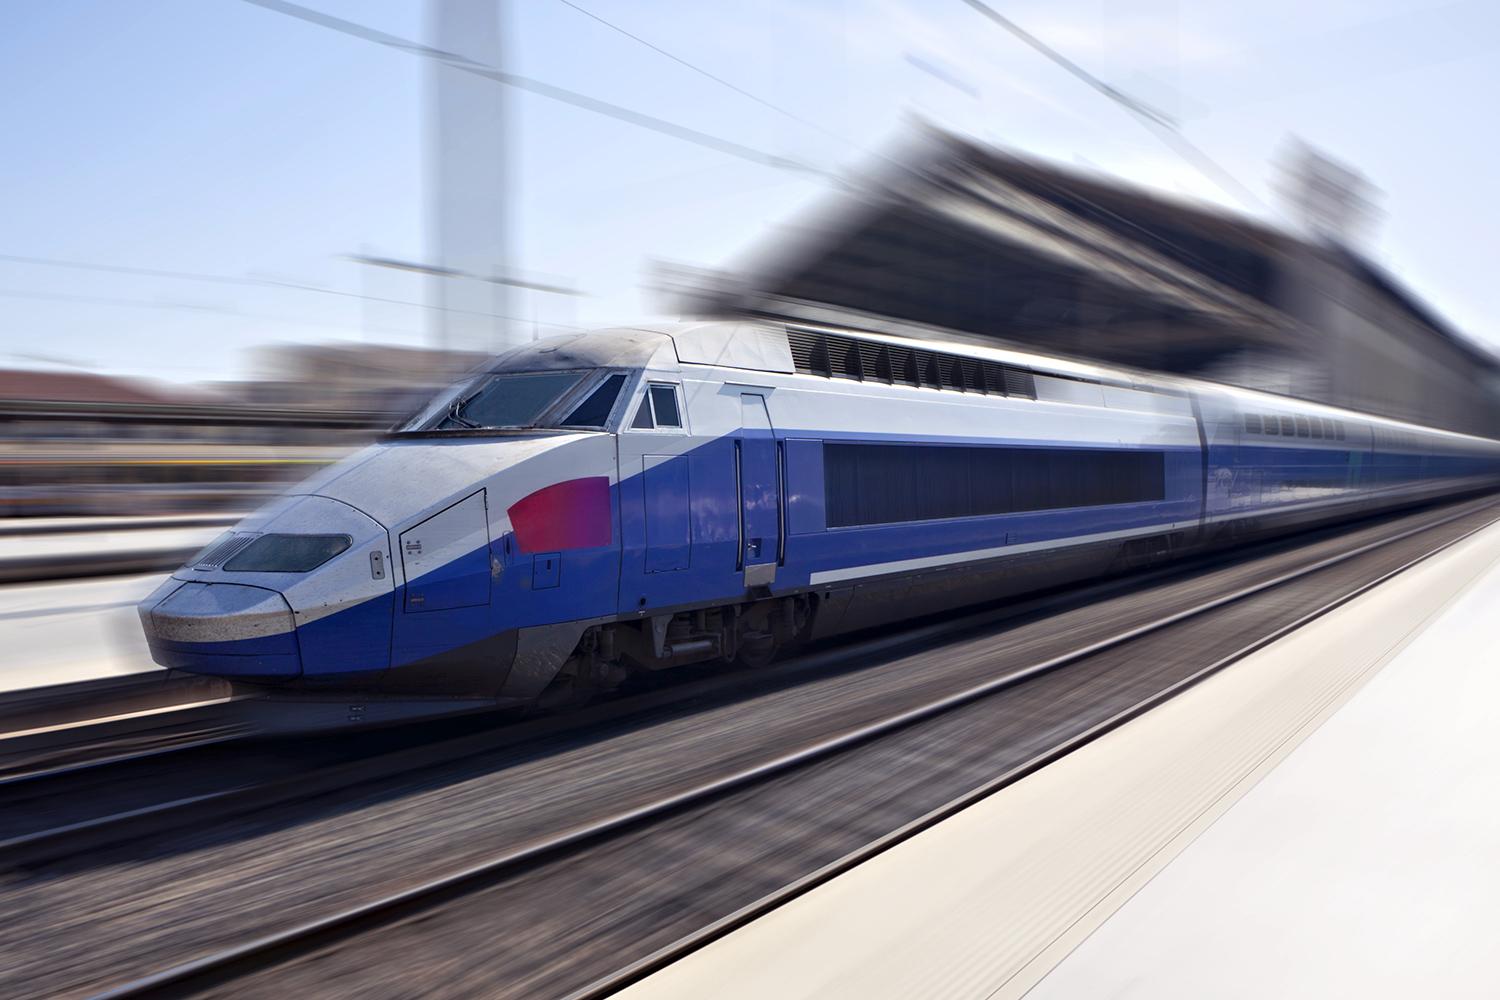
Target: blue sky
216, 137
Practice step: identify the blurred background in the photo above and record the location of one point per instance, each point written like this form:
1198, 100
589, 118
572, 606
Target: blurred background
241, 237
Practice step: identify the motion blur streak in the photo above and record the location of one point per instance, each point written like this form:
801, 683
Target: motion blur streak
698, 383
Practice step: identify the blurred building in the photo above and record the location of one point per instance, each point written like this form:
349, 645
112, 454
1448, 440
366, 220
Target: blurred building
1006, 248
74, 443
375, 378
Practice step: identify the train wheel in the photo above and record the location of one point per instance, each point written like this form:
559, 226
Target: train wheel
580, 682
756, 651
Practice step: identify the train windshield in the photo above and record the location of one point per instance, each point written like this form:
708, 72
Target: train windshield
515, 399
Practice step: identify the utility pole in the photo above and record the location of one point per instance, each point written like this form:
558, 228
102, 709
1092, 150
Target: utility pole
468, 181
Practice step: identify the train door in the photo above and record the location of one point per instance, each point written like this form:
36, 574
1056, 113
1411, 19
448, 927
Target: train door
758, 481
446, 565
656, 557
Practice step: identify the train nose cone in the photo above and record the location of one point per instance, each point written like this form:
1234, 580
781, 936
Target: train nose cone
226, 629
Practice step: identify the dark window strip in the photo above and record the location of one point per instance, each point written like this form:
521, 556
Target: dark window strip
890, 483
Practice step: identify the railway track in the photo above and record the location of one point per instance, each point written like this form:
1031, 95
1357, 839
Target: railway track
1041, 710
106, 750
90, 783
54, 751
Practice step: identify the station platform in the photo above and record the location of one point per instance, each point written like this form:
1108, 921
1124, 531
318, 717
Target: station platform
16, 526
84, 626
71, 631
104, 543
1320, 819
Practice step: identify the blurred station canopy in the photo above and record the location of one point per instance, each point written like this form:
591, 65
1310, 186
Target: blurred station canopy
965, 237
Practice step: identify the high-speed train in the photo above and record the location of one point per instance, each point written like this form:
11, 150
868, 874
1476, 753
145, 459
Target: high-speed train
637, 499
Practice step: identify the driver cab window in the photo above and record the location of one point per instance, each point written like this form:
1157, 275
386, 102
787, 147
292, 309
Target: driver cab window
658, 408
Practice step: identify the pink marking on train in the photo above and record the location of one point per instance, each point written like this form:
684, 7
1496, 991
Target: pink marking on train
569, 515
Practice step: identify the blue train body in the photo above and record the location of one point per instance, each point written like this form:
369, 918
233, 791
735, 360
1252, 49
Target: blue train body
640, 499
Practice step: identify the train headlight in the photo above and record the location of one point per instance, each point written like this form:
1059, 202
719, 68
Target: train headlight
279, 553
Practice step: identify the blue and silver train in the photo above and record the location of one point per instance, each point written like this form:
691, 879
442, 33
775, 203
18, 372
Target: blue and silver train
637, 499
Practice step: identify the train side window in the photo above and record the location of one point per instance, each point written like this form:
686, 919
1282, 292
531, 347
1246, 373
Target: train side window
867, 484
664, 402
1272, 427
595, 410
643, 421
1317, 427
1288, 427
1302, 427
1338, 425
1252, 423
658, 409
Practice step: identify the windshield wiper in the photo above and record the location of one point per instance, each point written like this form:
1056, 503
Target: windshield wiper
462, 421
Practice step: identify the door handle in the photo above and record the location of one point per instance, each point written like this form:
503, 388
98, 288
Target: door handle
752, 547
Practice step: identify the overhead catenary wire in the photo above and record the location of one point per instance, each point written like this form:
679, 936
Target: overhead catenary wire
1161, 125
542, 89
222, 279
170, 306
793, 116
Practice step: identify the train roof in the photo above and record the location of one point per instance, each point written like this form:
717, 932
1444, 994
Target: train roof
620, 347
763, 345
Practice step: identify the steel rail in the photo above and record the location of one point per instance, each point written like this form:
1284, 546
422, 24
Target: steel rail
59, 841
96, 832
272, 949
45, 772
33, 755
